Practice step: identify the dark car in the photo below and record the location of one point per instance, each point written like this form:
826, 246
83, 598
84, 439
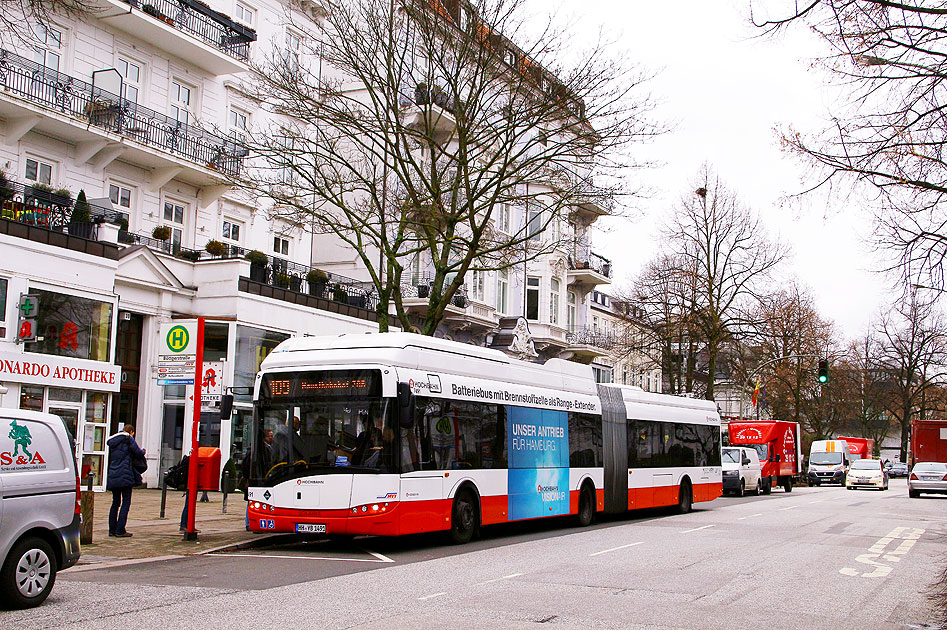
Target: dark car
897, 469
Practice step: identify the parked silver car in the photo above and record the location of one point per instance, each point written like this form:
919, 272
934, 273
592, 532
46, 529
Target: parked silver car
930, 477
39, 505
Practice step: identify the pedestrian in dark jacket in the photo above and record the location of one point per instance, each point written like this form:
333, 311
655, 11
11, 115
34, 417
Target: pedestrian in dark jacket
122, 477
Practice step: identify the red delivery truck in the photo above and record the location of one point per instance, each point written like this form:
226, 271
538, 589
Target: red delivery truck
779, 447
929, 441
860, 448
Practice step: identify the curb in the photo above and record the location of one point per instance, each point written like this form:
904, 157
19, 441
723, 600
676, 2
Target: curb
260, 541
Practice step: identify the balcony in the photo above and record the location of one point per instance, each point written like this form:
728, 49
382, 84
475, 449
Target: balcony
592, 270
105, 127
429, 114
187, 29
586, 344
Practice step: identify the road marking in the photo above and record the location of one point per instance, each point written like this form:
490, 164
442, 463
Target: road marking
505, 577
380, 557
791, 507
284, 557
750, 516
811, 502
687, 531
431, 596
907, 535
598, 553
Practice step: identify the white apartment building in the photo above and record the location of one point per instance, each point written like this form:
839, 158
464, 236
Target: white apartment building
135, 107
621, 326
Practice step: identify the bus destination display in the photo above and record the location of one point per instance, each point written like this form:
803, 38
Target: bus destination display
322, 385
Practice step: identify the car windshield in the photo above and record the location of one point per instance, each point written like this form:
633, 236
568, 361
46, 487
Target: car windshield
930, 467
731, 456
866, 464
825, 459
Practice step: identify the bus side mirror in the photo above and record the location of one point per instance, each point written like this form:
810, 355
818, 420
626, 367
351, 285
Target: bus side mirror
406, 405
776, 458
226, 406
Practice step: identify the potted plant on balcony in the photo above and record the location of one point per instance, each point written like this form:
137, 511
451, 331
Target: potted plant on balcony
421, 94
424, 290
282, 280
339, 294
460, 300
216, 248
80, 221
6, 189
161, 233
317, 279
258, 262
295, 283
192, 255
151, 10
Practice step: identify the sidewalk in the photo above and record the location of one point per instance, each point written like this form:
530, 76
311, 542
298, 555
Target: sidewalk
153, 537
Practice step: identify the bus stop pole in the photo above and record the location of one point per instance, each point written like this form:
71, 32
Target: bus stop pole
191, 533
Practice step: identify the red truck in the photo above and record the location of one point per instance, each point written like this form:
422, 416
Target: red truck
780, 448
929, 441
861, 448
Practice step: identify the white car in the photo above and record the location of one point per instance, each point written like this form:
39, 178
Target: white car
742, 470
39, 495
867, 473
928, 477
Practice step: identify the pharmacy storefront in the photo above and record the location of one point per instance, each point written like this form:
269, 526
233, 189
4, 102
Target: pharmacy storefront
67, 371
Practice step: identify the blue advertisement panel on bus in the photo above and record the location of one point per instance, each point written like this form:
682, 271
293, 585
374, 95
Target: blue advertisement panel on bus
539, 462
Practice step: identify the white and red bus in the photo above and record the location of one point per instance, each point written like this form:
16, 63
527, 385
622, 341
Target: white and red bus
397, 433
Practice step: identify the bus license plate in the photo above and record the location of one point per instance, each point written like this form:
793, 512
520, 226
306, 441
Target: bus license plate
311, 528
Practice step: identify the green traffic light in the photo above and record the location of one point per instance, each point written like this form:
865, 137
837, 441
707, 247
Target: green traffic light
824, 371
823, 379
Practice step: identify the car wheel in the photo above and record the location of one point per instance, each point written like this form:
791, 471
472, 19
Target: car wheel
768, 485
850, 487
586, 507
914, 494
685, 497
742, 491
787, 485
759, 487
463, 517
28, 574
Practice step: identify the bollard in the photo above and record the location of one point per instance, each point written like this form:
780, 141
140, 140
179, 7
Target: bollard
164, 497
226, 487
87, 511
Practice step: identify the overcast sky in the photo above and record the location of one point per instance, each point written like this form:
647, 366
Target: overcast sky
727, 91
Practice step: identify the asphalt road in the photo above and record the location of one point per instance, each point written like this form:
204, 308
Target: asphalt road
815, 558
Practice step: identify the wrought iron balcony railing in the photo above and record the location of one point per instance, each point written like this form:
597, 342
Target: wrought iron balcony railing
39, 206
95, 107
419, 286
590, 337
593, 261
198, 19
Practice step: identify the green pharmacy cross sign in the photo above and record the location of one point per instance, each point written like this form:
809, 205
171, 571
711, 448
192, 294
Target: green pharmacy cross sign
27, 310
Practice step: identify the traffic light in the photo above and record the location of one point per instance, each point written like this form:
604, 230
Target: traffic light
823, 371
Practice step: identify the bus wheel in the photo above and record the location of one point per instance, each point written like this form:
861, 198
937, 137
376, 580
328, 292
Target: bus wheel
586, 507
768, 485
787, 484
463, 517
685, 498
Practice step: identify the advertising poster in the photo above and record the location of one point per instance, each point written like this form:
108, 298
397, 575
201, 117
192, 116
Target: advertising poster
539, 462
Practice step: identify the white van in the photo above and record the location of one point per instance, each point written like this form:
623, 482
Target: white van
741, 470
39, 505
828, 462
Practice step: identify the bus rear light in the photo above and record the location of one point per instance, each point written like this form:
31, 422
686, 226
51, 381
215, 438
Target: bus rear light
370, 508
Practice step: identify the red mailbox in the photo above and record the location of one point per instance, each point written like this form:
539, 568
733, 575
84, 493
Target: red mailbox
208, 468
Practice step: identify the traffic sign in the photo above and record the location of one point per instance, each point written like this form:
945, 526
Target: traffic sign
177, 353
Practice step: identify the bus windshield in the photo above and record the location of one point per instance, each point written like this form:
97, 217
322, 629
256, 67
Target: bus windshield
825, 459
321, 422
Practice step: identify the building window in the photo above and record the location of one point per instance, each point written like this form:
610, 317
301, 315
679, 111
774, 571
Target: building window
294, 44
477, 285
238, 124
174, 216
503, 291
49, 51
182, 99
532, 299
72, 326
281, 245
39, 171
503, 218
571, 300
534, 222
231, 230
244, 14
131, 79
120, 196
602, 374
554, 301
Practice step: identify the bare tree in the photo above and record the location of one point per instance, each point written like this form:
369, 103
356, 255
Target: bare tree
913, 356
889, 136
864, 389
420, 120
19, 18
723, 244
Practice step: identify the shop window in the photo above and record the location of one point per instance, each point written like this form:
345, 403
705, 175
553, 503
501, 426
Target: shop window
216, 338
72, 326
31, 397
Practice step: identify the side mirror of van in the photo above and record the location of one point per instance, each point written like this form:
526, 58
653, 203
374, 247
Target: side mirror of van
746, 461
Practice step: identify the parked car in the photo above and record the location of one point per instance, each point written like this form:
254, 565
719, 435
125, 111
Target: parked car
741, 470
930, 477
866, 473
897, 469
39, 494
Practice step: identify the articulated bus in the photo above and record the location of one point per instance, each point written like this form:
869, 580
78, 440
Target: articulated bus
396, 433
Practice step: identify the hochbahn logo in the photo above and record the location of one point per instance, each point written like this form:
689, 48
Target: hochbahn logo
550, 493
20, 458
